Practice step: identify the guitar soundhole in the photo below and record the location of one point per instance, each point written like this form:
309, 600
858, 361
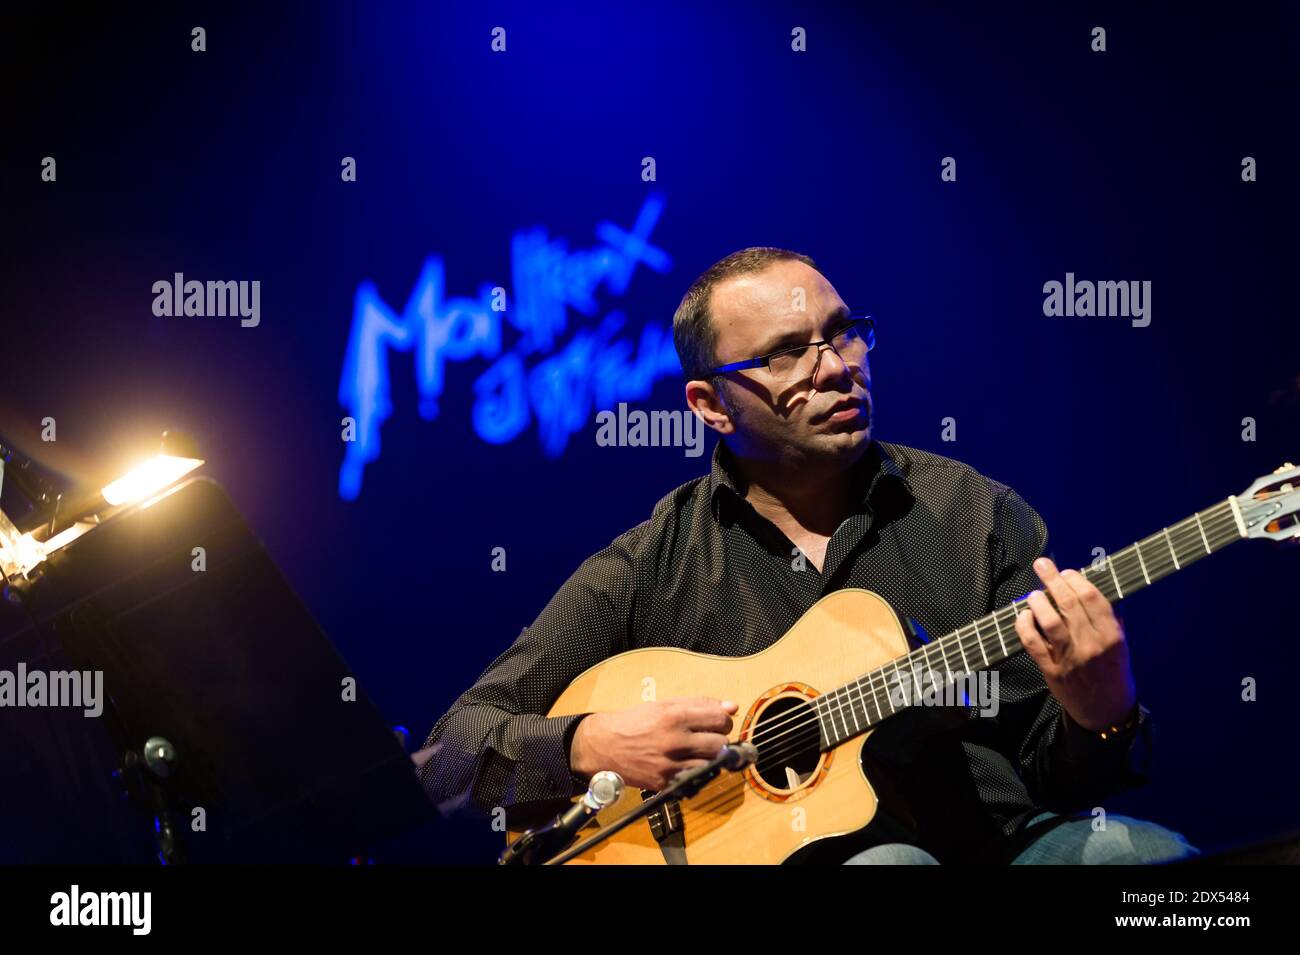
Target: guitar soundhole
788, 738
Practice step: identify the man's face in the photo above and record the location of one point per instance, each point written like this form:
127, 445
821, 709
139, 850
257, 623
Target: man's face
827, 414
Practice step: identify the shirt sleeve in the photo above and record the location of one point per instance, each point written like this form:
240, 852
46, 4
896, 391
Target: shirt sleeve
1064, 766
495, 747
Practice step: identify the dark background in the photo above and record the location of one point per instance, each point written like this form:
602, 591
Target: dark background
1117, 165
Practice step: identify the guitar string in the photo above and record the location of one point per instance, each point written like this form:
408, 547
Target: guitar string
801, 720
736, 782
992, 640
982, 642
797, 746
1217, 525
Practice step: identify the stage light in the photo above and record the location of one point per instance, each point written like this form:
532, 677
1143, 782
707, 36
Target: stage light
149, 478
20, 553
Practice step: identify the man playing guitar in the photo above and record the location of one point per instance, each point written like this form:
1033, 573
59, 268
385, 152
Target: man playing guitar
802, 501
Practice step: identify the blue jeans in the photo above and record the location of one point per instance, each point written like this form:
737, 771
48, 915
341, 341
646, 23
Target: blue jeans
1124, 841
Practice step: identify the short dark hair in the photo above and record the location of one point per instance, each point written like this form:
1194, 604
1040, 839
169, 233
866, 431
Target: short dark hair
693, 331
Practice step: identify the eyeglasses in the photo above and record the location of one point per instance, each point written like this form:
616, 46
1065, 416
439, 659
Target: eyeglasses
851, 343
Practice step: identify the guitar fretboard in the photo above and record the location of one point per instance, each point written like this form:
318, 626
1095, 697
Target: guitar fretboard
857, 706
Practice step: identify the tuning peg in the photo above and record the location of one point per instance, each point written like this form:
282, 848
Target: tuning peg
1285, 467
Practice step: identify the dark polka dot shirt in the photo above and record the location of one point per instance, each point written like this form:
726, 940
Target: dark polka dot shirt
940, 542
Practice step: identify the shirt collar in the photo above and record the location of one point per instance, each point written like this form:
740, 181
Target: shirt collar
876, 463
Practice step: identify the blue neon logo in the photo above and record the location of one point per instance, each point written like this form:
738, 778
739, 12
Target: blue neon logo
536, 378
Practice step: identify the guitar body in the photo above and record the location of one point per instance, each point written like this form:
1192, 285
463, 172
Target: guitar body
751, 818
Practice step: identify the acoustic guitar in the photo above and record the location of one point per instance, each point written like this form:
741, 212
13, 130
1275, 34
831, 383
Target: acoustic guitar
809, 702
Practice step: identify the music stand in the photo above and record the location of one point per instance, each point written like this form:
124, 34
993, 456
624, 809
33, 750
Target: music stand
286, 758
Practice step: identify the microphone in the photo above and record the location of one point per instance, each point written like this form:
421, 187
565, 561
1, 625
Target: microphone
736, 756
604, 789
733, 758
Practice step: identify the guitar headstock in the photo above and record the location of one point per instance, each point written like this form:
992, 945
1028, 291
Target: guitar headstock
1271, 506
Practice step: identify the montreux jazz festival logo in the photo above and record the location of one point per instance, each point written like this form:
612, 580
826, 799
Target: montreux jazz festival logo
539, 372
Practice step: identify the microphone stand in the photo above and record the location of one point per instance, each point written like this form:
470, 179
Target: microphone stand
733, 757
604, 789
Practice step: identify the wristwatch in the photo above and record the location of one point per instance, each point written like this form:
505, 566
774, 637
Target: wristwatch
1119, 729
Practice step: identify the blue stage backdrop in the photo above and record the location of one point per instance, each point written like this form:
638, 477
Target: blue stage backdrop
463, 255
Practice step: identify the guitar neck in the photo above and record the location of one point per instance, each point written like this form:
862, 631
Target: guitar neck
852, 709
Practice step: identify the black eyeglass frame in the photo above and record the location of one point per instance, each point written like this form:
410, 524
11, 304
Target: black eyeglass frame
766, 360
